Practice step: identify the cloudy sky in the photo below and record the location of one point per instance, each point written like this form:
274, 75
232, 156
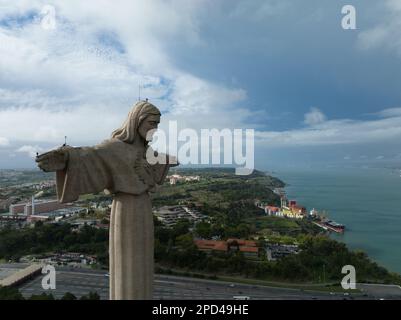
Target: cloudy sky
314, 92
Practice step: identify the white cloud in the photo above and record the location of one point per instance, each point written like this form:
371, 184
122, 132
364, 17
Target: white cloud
387, 34
391, 112
30, 150
336, 132
373, 37
4, 142
83, 124
71, 81
314, 116
259, 10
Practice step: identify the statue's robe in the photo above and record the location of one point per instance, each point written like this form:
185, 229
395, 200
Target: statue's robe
120, 169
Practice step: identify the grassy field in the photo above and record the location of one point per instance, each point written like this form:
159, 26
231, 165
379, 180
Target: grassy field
275, 223
276, 229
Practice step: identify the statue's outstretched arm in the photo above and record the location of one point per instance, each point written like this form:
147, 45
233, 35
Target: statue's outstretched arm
53, 160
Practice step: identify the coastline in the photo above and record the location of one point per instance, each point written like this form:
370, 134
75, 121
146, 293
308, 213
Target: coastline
348, 197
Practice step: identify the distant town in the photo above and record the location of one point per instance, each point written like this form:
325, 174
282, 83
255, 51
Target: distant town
290, 209
24, 211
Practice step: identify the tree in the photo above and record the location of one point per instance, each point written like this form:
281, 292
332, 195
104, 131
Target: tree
9, 293
38, 224
42, 296
181, 227
94, 296
203, 230
185, 241
163, 234
68, 296
91, 296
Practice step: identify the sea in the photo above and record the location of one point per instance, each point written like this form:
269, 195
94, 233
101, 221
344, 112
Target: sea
366, 200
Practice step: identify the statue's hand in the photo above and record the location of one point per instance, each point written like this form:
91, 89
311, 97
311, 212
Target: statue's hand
53, 160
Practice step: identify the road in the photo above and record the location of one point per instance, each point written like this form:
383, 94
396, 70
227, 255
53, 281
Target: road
80, 281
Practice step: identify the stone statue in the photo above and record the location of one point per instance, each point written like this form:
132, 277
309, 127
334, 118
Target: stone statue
119, 166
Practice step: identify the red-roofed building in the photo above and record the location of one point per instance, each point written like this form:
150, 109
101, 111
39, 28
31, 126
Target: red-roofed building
209, 245
249, 251
298, 209
241, 242
247, 247
271, 210
221, 246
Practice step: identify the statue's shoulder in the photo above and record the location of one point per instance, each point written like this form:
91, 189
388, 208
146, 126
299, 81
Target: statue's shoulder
116, 148
112, 144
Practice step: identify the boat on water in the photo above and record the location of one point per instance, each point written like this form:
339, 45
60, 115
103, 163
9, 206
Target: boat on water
325, 223
334, 226
330, 226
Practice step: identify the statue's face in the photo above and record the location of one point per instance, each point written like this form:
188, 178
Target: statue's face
149, 123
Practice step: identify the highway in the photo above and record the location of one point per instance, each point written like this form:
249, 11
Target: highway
80, 281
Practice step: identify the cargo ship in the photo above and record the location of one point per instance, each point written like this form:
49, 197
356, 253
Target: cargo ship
334, 226
325, 223
330, 226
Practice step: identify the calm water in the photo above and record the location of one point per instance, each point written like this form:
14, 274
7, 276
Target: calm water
367, 201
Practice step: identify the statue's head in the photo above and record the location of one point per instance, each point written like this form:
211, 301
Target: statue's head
142, 122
